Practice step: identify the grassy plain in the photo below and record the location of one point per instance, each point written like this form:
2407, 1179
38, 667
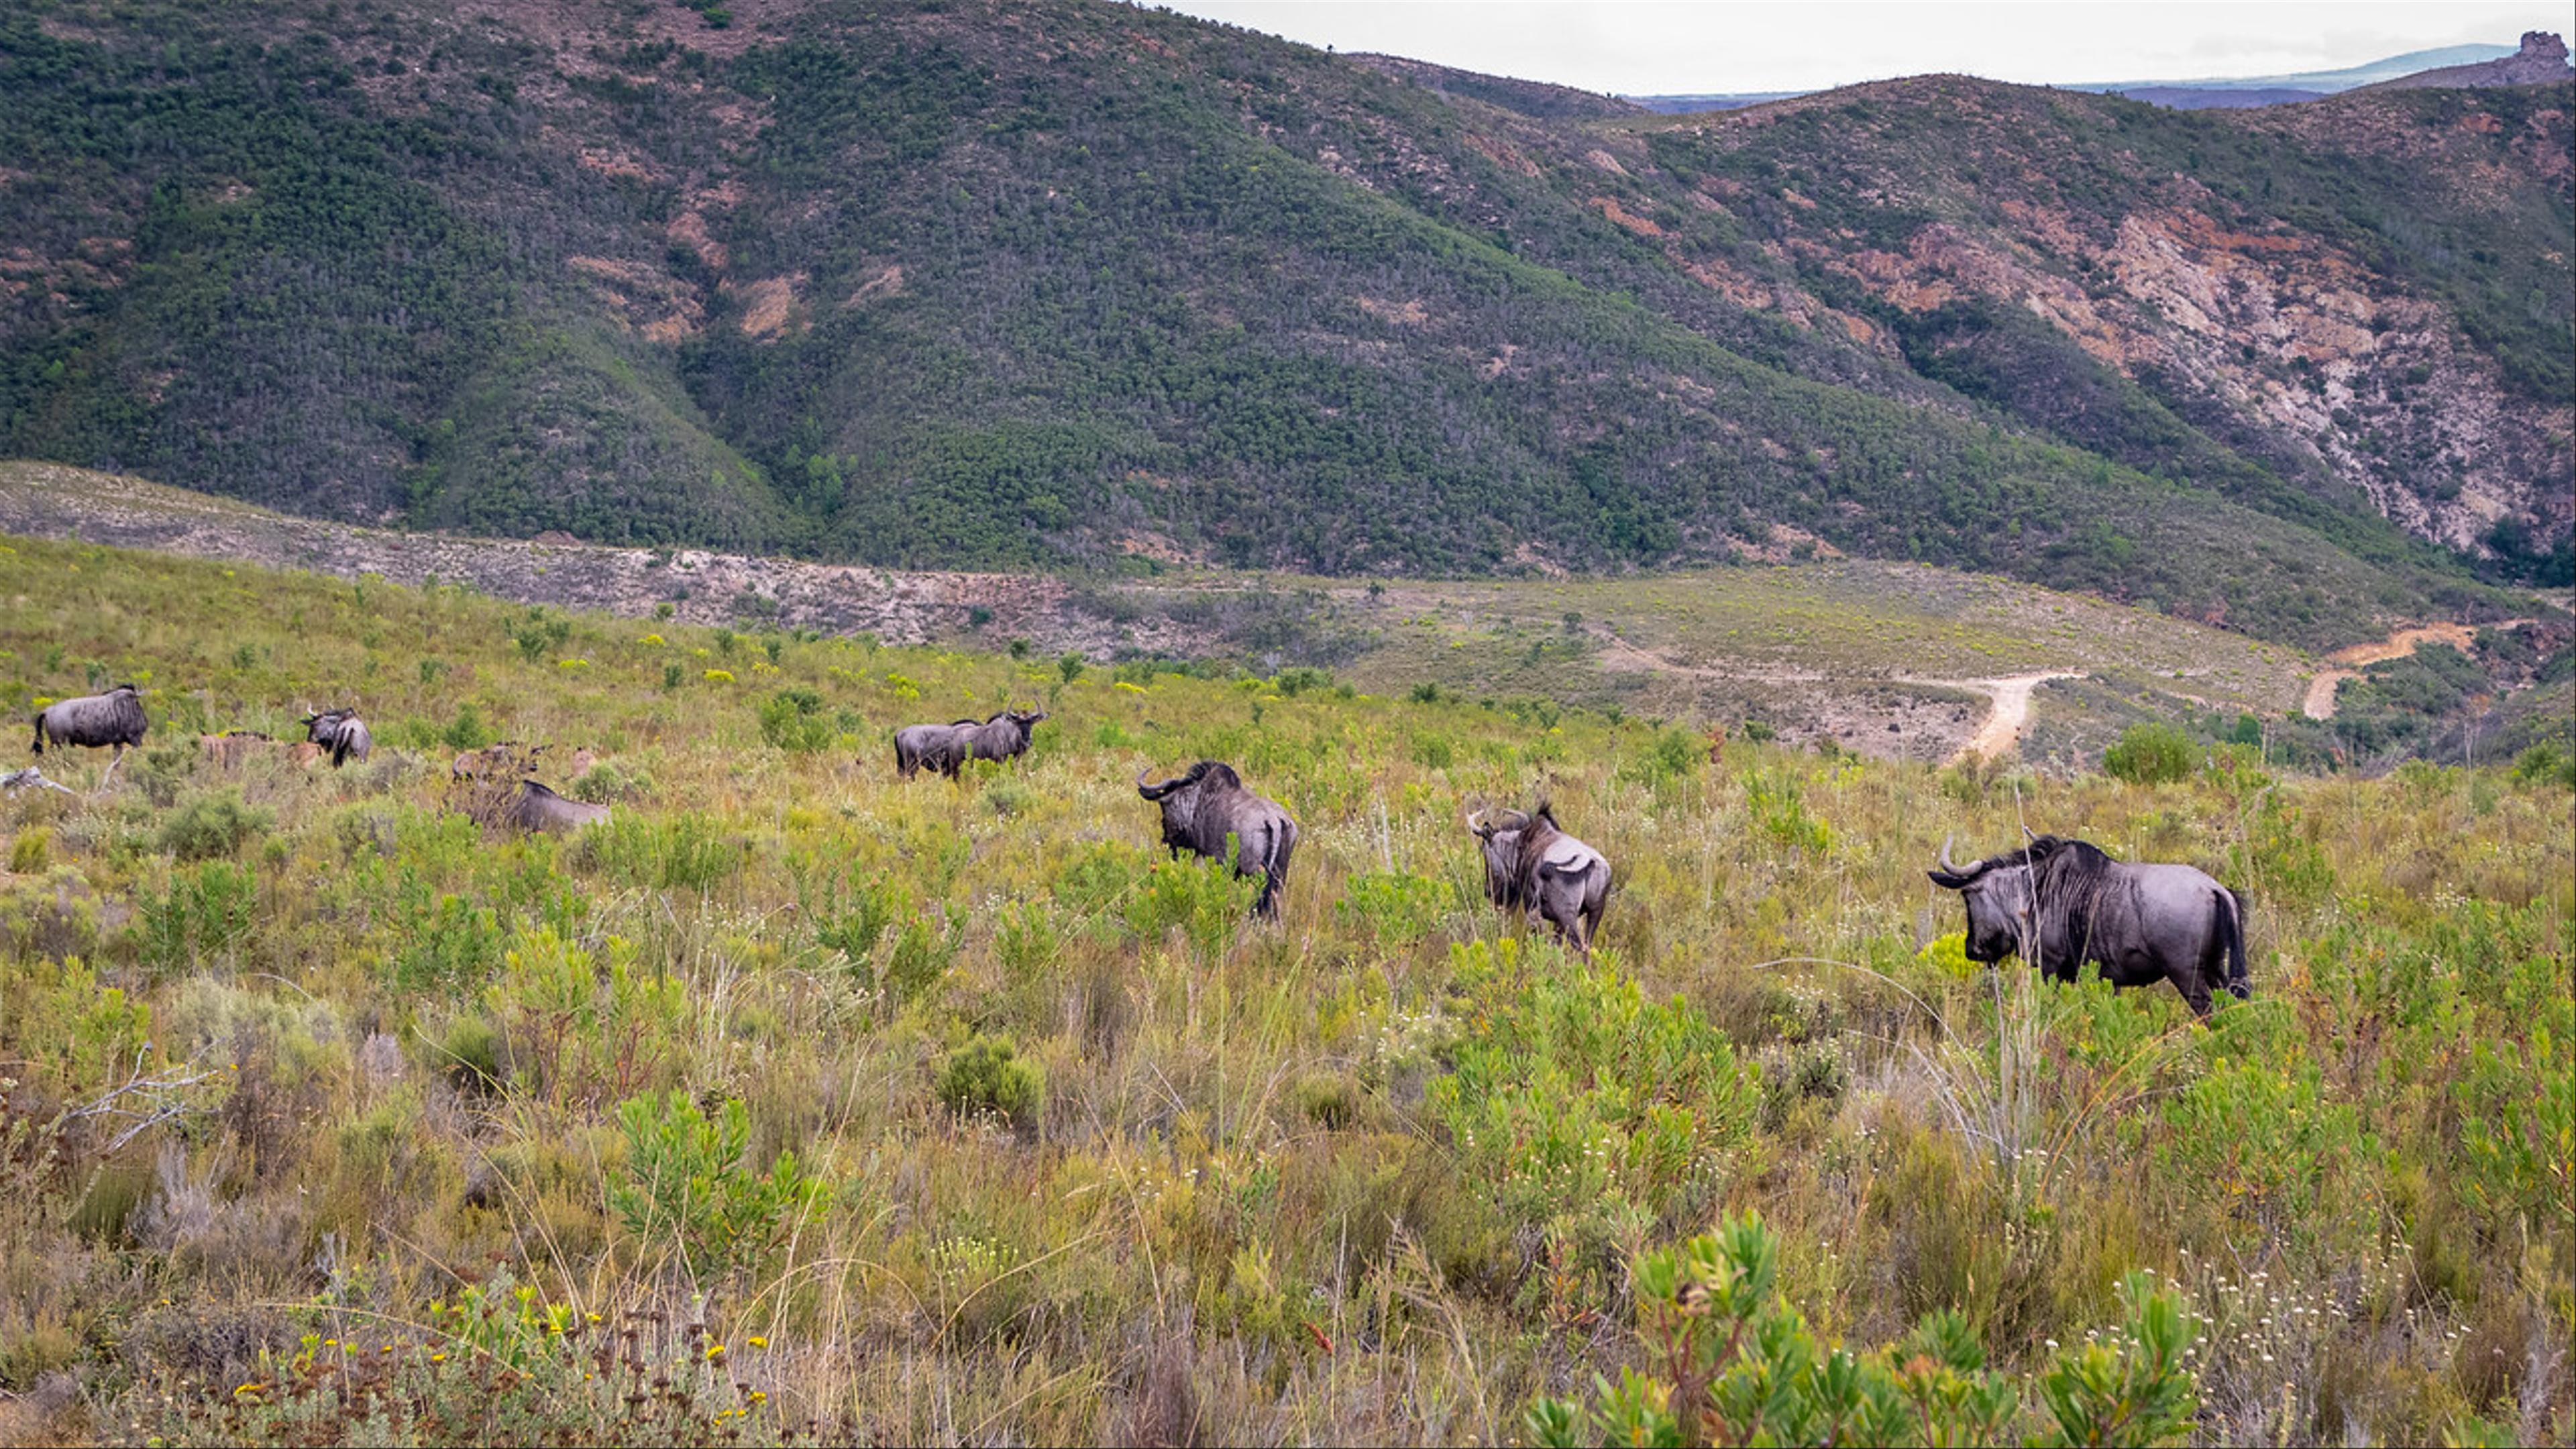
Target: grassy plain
331, 1116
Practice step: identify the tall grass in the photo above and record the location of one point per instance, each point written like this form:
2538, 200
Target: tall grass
961, 1112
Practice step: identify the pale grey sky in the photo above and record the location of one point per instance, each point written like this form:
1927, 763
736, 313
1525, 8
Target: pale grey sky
1650, 47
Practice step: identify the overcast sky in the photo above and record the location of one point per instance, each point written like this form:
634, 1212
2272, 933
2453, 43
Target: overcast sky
1641, 47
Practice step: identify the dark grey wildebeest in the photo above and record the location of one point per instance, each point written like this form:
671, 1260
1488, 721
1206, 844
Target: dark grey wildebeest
932, 745
946, 748
340, 732
1208, 812
536, 808
1533, 866
94, 720
2060, 903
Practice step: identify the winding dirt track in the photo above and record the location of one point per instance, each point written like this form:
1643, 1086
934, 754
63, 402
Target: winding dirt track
2002, 729
2348, 663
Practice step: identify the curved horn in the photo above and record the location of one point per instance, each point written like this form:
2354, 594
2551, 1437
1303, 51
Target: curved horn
1945, 856
1155, 792
2028, 834
1475, 819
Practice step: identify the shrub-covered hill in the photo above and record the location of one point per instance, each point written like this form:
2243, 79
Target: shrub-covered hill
979, 285
797, 1095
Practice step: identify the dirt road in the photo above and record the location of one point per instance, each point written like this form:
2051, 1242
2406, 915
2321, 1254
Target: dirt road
2011, 715
2348, 663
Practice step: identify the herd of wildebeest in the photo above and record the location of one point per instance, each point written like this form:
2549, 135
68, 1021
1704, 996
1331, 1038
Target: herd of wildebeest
2058, 903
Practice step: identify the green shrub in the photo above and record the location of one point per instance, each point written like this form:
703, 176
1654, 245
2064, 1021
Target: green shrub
472, 1051
1294, 682
2152, 754
1728, 1360
793, 720
607, 783
2546, 761
212, 826
467, 731
988, 1076
1204, 899
1397, 907
923, 951
685, 1181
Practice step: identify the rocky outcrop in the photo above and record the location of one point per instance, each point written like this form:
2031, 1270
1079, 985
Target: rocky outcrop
2542, 59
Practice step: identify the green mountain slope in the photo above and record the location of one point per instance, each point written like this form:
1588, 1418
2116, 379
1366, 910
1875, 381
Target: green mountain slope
1044, 284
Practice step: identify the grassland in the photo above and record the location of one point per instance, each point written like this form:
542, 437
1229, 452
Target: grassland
330, 1116
1890, 660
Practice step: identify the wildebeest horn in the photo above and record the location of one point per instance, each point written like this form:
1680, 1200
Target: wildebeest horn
1945, 856
2028, 834
1155, 792
1475, 821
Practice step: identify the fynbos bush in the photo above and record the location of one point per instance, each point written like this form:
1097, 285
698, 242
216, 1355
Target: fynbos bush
987, 1075
686, 1183
1730, 1361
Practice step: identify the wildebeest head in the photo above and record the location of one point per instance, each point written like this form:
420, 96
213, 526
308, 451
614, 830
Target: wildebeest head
1183, 794
1499, 835
1997, 893
339, 731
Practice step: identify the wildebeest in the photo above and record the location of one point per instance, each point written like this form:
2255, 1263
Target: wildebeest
928, 744
341, 732
1208, 812
114, 718
537, 808
1533, 866
229, 749
475, 764
946, 748
2059, 903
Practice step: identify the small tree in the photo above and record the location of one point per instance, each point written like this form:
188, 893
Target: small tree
2152, 754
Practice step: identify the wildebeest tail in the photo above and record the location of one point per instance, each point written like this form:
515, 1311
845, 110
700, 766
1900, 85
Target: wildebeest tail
2231, 911
1275, 870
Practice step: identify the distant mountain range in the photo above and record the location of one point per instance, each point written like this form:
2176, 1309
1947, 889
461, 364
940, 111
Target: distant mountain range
2225, 92
1014, 284
2318, 82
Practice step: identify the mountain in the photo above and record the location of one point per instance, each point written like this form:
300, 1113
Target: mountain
1013, 285
2202, 98
2415, 67
2541, 60
2323, 82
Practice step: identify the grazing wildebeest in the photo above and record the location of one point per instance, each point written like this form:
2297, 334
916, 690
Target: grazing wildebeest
114, 718
1003, 737
1533, 866
229, 749
341, 732
537, 808
933, 745
946, 748
1206, 811
2060, 903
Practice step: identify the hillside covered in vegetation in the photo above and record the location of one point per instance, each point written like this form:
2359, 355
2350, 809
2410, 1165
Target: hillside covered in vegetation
794, 1098
961, 284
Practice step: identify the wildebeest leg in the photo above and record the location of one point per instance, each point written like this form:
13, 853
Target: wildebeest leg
2196, 992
